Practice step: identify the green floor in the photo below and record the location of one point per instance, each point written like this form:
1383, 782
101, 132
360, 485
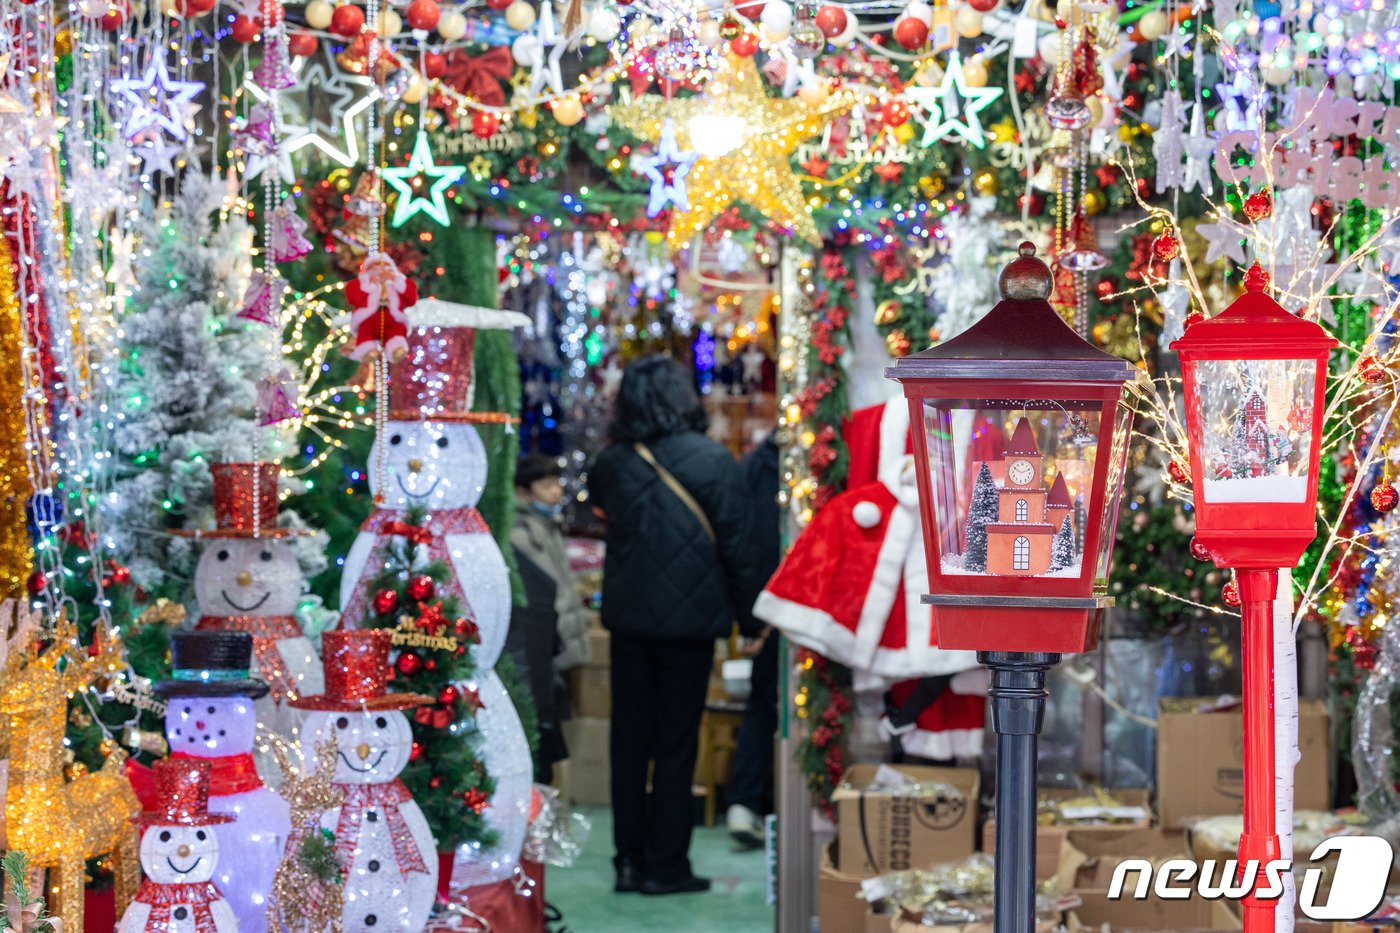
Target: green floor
734, 905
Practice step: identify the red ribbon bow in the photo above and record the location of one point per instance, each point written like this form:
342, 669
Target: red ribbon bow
479, 76
439, 717
416, 534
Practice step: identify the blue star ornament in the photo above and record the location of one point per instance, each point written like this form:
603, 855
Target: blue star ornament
667, 170
953, 106
156, 100
408, 179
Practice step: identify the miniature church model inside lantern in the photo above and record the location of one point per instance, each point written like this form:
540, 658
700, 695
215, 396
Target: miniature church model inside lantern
1017, 525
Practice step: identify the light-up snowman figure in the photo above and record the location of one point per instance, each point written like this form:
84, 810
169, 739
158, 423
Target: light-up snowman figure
382, 838
179, 852
428, 455
210, 715
248, 580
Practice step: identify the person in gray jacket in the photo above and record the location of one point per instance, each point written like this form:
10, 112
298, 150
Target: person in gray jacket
537, 533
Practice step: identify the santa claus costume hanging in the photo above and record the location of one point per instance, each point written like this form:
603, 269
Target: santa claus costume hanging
380, 297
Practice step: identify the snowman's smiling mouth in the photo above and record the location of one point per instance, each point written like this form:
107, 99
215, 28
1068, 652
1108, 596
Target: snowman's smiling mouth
257, 605
367, 768
419, 495
184, 871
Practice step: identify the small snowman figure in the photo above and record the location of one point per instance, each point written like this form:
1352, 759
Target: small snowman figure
209, 715
380, 834
248, 580
179, 851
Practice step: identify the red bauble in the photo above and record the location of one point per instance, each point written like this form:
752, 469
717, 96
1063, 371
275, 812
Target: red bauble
1105, 287
1179, 472
751, 10
1198, 550
485, 124
831, 20
895, 113
1194, 318
409, 663
499, 5
422, 14
385, 601
347, 20
910, 33
35, 583
1230, 594
1166, 247
434, 65
1258, 205
121, 576
448, 696
1032, 203
415, 751
302, 44
245, 29
1384, 497
434, 782
430, 664
983, 6
744, 45
421, 588
116, 15
1371, 370
188, 8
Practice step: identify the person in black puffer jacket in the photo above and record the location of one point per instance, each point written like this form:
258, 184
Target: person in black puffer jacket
680, 569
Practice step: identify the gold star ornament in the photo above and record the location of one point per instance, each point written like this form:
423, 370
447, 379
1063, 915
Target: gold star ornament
745, 140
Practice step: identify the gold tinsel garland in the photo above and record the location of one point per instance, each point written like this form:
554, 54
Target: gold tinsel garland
16, 554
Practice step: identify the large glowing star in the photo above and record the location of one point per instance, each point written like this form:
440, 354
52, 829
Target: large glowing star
667, 170
408, 182
744, 142
953, 106
323, 110
156, 100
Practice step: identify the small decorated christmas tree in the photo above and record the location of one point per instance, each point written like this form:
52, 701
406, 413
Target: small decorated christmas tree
981, 512
1062, 550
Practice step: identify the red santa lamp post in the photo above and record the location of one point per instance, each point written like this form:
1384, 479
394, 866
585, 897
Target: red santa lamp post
1020, 467
1254, 377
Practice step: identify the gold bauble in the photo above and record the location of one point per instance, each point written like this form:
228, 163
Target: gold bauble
1095, 105
975, 72
107, 746
74, 771
897, 342
932, 185
1094, 202
904, 132
887, 312
985, 182
1127, 132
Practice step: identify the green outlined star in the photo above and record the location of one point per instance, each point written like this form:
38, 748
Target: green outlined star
407, 181
953, 106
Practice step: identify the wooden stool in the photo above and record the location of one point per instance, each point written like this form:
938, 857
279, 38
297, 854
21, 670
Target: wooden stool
719, 738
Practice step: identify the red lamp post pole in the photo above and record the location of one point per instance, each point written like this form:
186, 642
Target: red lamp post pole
1259, 843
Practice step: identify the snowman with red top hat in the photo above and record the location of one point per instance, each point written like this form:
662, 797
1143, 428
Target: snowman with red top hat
179, 852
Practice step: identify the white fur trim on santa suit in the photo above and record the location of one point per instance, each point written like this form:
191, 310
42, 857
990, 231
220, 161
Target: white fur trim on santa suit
950, 743
894, 436
434, 312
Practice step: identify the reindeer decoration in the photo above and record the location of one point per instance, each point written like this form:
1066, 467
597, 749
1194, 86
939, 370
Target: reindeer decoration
62, 823
304, 899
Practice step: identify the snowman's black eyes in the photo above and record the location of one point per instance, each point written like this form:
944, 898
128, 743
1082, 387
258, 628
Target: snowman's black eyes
442, 442
380, 722
395, 439
223, 554
342, 723
265, 555
210, 711
165, 835
199, 834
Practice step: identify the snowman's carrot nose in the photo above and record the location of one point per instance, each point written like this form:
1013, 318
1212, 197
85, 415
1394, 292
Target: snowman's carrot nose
415, 465
245, 578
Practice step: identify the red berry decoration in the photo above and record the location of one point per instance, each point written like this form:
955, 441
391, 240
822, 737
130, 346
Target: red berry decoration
245, 29
448, 696
1230, 594
409, 663
895, 113
435, 782
1258, 205
1178, 472
434, 65
831, 20
422, 14
347, 20
1370, 369
744, 45
302, 44
116, 15
1195, 317
421, 588
385, 601
1384, 497
415, 751
431, 664
484, 124
1166, 247
1198, 550
911, 33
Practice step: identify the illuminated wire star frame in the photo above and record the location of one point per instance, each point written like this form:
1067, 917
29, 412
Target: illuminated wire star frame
346, 97
156, 99
953, 106
421, 164
668, 186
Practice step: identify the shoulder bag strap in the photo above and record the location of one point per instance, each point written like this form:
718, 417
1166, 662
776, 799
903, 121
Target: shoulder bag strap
675, 486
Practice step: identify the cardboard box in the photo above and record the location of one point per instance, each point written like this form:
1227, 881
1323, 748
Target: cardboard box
882, 830
907, 924
839, 908
588, 775
590, 691
876, 922
1048, 838
1200, 761
599, 647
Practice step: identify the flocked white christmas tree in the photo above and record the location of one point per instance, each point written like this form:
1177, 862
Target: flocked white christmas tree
966, 284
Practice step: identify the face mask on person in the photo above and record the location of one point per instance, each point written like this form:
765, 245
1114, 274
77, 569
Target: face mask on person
547, 510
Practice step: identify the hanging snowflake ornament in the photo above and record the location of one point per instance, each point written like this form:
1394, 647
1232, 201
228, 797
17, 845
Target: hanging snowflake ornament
1167, 148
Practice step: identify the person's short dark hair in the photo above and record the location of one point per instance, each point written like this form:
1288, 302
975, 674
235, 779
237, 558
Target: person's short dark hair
657, 399
533, 467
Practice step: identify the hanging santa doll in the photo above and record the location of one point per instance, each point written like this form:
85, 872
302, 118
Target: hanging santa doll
380, 297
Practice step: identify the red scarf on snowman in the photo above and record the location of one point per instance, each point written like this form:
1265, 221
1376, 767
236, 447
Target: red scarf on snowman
164, 898
380, 297
384, 798
437, 525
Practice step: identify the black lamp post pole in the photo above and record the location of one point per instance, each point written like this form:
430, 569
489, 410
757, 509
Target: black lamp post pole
1018, 697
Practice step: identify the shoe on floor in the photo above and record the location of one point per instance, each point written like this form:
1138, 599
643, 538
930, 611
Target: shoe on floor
691, 885
629, 877
745, 826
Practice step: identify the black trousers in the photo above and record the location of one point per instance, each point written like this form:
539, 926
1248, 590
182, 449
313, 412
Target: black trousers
753, 758
658, 697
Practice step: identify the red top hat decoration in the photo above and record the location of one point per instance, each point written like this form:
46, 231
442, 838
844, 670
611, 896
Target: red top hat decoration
181, 795
357, 671
245, 503
433, 381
